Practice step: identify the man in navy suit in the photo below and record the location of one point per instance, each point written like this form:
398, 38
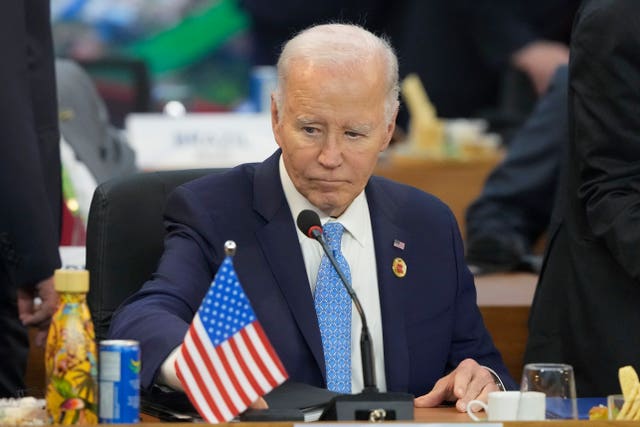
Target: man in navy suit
332, 114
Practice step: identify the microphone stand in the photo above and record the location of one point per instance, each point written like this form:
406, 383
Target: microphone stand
370, 405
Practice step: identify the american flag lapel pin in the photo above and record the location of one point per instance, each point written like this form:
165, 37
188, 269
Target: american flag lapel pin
398, 244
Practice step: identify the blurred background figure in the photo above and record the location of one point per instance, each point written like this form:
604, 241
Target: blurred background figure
476, 58
591, 274
92, 150
273, 23
143, 53
481, 58
513, 210
485, 58
30, 185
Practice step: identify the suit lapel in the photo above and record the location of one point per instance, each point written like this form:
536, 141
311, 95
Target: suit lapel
280, 246
281, 249
385, 231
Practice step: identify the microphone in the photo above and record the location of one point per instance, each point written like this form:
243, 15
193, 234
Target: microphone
368, 405
309, 223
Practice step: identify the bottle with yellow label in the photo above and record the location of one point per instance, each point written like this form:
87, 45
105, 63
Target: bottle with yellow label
70, 356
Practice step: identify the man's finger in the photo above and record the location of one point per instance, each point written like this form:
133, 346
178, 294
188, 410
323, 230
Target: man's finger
260, 403
25, 304
36, 318
480, 381
464, 375
440, 393
40, 338
429, 400
477, 390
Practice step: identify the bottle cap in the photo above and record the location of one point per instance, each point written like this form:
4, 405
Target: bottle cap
67, 280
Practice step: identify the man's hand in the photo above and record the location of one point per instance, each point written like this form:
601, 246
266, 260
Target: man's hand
539, 60
38, 316
467, 382
259, 404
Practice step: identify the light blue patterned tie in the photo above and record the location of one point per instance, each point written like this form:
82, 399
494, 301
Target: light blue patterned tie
333, 308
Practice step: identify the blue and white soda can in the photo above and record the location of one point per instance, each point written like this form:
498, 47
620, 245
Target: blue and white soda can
262, 83
119, 381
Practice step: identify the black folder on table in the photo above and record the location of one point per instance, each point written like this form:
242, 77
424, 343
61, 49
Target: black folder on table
291, 401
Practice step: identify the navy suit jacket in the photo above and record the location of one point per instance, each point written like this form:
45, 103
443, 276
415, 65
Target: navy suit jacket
30, 182
430, 319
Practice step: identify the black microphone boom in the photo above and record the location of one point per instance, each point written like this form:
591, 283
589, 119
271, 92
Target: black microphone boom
368, 405
309, 223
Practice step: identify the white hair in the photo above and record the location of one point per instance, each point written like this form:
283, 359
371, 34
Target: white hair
341, 45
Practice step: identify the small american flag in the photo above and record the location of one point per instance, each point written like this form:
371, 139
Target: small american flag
226, 361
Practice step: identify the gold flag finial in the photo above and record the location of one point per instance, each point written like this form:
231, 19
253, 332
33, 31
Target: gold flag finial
230, 247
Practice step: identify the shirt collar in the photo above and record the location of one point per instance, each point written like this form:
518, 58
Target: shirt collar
351, 218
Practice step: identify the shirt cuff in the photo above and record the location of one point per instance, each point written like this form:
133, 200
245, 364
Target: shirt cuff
167, 375
496, 378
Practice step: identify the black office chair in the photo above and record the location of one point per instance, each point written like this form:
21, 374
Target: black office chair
125, 235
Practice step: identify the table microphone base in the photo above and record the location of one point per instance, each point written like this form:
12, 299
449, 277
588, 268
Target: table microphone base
370, 406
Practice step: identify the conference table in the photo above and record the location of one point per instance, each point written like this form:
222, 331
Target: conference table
427, 415
422, 415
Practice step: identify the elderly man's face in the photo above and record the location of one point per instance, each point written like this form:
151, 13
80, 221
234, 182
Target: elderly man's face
331, 128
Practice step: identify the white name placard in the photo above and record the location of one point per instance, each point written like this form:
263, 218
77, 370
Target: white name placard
199, 140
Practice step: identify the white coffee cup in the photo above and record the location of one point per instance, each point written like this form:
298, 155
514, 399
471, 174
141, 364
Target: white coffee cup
511, 406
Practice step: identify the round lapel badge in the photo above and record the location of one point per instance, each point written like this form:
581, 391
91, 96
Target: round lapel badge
399, 267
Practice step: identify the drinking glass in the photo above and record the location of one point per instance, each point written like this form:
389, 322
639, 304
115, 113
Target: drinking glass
557, 382
614, 405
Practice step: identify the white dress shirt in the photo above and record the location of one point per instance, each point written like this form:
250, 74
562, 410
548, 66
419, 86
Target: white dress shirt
358, 250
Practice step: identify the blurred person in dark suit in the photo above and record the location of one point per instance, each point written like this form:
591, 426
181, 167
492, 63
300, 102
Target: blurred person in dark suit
514, 208
461, 49
275, 22
30, 184
585, 311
